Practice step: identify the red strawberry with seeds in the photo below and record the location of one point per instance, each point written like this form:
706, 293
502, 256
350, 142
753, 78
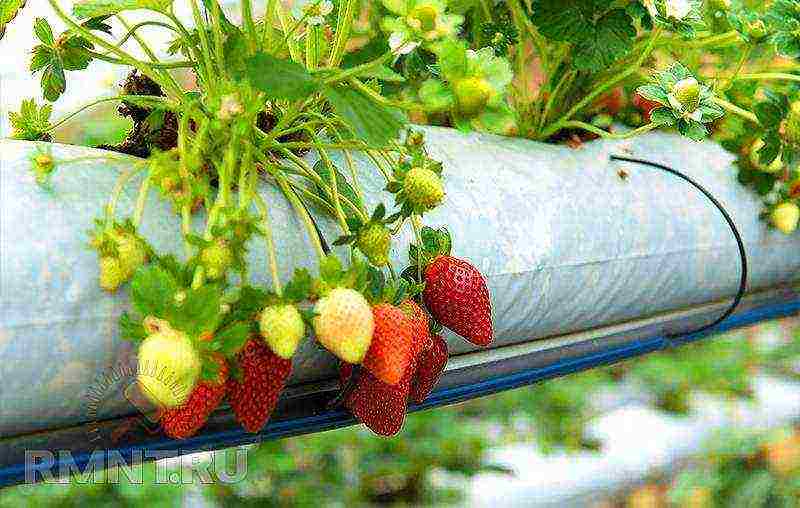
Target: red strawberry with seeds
430, 368
457, 297
184, 421
391, 350
379, 406
420, 327
263, 376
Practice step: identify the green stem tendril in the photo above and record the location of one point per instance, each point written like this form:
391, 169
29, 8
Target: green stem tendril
603, 87
610, 135
733, 108
301, 212
141, 200
271, 254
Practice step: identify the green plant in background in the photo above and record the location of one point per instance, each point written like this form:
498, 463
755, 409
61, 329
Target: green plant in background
743, 468
721, 367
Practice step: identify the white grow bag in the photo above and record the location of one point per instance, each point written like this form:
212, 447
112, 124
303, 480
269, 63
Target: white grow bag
584, 268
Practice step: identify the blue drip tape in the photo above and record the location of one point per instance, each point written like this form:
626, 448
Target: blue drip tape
340, 418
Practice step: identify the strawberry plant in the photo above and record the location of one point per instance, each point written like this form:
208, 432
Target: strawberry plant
267, 91
289, 97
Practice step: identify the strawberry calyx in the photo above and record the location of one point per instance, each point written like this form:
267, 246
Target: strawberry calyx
434, 243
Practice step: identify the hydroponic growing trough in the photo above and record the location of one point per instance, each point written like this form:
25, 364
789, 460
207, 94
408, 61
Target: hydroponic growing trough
586, 266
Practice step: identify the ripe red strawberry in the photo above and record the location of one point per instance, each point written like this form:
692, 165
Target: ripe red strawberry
430, 368
646, 106
457, 296
420, 327
184, 421
263, 375
391, 350
379, 406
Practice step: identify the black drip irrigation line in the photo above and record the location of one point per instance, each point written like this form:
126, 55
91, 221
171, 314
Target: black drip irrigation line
350, 385
740, 244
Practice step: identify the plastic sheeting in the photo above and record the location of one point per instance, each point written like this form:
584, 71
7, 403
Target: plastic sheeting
565, 243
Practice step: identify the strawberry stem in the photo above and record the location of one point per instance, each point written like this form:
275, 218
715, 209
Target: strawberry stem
271, 255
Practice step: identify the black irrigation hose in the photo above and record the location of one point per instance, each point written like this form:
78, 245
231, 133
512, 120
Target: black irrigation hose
731, 224
339, 399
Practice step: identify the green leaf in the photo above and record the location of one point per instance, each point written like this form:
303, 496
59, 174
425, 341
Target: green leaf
299, 287
153, 291
653, 93
773, 109
232, 338
330, 269
199, 312
279, 79
771, 148
54, 82
382, 73
96, 8
131, 329
372, 123
662, 116
74, 53
8, 11
43, 32
692, 130
32, 122
600, 35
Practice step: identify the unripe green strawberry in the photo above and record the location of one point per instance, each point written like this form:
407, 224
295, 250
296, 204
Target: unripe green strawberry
216, 258
112, 273
472, 95
756, 29
130, 249
282, 328
792, 124
169, 367
344, 324
785, 217
687, 93
423, 188
374, 241
423, 18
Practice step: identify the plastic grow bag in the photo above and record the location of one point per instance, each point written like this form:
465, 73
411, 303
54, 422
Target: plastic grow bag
584, 268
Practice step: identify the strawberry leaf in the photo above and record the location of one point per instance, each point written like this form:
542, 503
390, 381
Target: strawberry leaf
279, 79
373, 123
131, 329
96, 8
299, 287
8, 11
199, 312
600, 35
232, 339
153, 291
